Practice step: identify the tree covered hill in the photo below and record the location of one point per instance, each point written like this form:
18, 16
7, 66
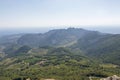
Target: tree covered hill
91, 43
62, 54
106, 48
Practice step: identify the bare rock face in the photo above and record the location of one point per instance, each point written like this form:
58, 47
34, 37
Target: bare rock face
114, 77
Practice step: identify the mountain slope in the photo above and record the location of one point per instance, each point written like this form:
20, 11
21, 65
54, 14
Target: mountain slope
55, 63
105, 47
10, 39
91, 43
62, 54
60, 37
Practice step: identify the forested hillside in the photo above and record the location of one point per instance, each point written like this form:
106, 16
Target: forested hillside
62, 54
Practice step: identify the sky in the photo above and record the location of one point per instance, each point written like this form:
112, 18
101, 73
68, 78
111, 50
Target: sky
45, 13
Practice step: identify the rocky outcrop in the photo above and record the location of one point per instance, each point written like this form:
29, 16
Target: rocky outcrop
28, 79
114, 77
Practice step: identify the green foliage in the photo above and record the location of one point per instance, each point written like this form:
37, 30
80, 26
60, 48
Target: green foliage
23, 49
57, 63
101, 47
65, 54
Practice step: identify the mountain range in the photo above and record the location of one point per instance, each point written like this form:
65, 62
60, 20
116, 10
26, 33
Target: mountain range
91, 43
55, 47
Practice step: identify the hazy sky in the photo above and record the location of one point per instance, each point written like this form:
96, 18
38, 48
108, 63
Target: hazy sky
26, 13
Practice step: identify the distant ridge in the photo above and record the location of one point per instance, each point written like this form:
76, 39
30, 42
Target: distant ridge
94, 44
